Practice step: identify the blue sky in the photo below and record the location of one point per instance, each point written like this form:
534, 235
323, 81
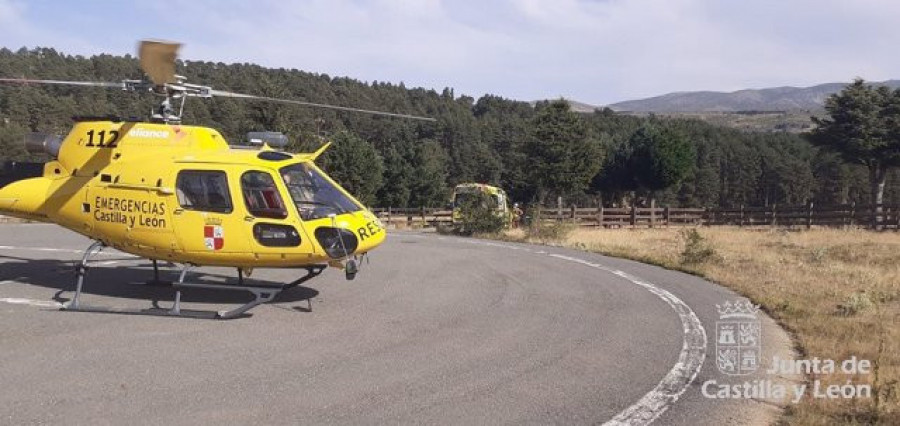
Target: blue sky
594, 51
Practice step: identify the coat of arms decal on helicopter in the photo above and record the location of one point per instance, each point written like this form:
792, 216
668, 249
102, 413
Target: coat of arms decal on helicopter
213, 237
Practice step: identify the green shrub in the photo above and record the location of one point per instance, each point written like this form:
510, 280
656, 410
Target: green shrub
858, 302
477, 215
696, 249
818, 254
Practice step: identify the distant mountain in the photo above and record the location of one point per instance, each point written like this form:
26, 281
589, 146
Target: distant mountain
581, 106
574, 105
772, 99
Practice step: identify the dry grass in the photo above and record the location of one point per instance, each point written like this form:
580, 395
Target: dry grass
837, 291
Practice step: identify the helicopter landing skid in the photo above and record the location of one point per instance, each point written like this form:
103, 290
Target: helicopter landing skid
261, 293
80, 271
156, 282
312, 271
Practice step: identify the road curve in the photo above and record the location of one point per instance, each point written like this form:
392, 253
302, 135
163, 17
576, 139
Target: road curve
434, 330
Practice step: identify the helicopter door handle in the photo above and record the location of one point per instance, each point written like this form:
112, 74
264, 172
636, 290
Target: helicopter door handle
178, 211
249, 218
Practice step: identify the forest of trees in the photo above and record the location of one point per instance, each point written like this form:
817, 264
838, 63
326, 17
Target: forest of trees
536, 152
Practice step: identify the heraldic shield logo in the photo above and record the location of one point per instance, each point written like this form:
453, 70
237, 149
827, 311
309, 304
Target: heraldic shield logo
213, 237
738, 347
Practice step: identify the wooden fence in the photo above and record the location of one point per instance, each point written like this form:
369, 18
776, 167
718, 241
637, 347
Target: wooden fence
414, 217
842, 215
808, 216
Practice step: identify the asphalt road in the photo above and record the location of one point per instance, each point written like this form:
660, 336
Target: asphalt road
435, 330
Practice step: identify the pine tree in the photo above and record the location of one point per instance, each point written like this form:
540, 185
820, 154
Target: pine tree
355, 165
429, 175
662, 157
395, 190
863, 125
561, 156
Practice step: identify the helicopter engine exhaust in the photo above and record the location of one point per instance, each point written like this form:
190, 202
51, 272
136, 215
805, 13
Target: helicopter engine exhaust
43, 143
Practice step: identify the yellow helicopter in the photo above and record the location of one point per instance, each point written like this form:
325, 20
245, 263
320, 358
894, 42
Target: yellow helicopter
171, 192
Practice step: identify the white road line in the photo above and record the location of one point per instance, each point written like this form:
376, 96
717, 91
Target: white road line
690, 359
646, 410
31, 302
685, 370
492, 244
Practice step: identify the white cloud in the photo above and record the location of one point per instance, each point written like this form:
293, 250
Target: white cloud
591, 50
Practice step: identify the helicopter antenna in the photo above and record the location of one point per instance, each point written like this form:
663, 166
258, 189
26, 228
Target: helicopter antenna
157, 59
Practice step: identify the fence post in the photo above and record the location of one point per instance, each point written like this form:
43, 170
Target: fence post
741, 220
574, 219
896, 219
422, 214
666, 214
559, 208
774, 210
633, 214
652, 212
389, 215
809, 214
878, 218
852, 213
600, 216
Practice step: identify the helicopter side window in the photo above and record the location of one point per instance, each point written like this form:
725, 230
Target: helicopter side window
203, 190
261, 196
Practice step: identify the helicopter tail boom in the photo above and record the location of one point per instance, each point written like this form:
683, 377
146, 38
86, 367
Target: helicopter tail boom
23, 189
25, 198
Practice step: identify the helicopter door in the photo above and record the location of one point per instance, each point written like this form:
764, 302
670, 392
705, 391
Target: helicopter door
204, 218
275, 232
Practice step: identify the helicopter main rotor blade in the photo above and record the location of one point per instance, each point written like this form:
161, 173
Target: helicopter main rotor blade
64, 82
223, 93
158, 60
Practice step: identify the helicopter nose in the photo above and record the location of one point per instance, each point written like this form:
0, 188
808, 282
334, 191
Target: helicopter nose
337, 242
349, 235
371, 233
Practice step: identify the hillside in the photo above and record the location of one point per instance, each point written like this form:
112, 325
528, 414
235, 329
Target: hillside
412, 164
769, 99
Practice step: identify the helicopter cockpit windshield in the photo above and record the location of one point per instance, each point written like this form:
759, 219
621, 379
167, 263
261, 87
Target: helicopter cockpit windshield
315, 196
